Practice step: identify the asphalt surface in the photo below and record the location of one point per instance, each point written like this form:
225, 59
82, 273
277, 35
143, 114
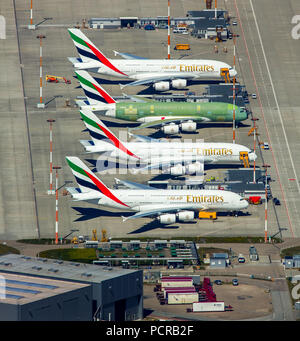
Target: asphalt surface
19, 218
268, 56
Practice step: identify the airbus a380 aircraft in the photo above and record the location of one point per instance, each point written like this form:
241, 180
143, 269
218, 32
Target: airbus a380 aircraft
142, 71
175, 158
170, 116
145, 201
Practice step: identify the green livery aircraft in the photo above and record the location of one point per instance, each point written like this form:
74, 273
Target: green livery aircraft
171, 116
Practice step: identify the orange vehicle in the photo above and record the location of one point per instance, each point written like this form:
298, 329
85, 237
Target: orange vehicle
207, 215
55, 79
182, 47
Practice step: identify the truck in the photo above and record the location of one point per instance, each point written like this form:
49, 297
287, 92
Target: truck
207, 215
253, 253
208, 306
182, 47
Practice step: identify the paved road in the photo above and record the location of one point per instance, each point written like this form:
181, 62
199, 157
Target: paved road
17, 201
269, 59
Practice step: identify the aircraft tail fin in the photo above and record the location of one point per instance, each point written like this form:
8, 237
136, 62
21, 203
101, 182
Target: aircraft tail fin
88, 181
88, 51
92, 89
100, 132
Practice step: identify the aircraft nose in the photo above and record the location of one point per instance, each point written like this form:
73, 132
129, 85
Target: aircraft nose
245, 204
232, 73
252, 156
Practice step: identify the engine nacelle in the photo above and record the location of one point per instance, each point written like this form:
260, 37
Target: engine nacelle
161, 86
167, 219
186, 216
170, 129
179, 83
193, 168
188, 126
177, 170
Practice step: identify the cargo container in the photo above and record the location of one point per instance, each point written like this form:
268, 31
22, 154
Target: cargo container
182, 297
168, 290
208, 306
174, 281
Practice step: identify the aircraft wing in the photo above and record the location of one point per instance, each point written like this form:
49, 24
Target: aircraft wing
154, 79
142, 138
164, 120
133, 185
167, 163
156, 212
139, 99
128, 55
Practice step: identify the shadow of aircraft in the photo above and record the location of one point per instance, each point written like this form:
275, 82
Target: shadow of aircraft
92, 213
154, 224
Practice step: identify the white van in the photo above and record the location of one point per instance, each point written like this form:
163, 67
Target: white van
182, 30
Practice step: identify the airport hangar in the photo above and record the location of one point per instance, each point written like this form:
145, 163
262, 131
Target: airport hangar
40, 289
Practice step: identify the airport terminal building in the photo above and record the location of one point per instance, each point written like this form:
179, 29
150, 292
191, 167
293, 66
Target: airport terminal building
40, 289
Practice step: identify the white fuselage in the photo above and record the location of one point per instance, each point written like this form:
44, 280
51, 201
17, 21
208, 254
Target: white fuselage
152, 152
144, 200
139, 69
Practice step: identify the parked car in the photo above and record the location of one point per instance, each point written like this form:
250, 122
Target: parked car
235, 282
149, 27
181, 30
241, 258
253, 96
218, 282
276, 201
234, 23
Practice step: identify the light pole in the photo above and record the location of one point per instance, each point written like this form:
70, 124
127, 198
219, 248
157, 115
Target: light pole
266, 202
233, 95
31, 26
254, 145
51, 191
41, 104
56, 202
168, 29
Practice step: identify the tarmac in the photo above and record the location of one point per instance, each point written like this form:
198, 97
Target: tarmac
29, 212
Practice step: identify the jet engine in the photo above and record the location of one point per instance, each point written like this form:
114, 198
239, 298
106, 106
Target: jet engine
177, 170
167, 219
188, 126
193, 168
179, 83
161, 86
170, 129
186, 216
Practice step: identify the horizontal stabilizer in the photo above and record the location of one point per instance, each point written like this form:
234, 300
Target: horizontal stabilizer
87, 143
75, 60
73, 190
128, 55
